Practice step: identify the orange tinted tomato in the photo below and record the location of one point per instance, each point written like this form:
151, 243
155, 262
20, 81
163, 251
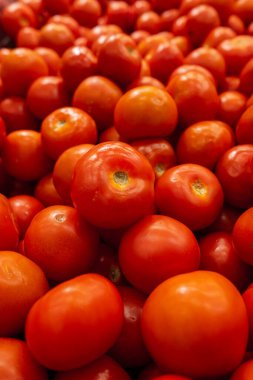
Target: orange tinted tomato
236, 24
22, 282
16, 361
232, 105
51, 58
183, 69
46, 192
190, 193
56, 7
61, 243
68, 21
57, 37
248, 299
152, 42
205, 341
89, 308
217, 35
145, 111
203, 143
16, 16
242, 236
123, 181
28, 37
162, 256
67, 127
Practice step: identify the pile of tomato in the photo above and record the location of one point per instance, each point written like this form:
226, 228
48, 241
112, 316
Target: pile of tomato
126, 190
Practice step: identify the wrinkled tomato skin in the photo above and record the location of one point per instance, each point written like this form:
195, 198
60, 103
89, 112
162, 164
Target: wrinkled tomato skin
97, 319
123, 181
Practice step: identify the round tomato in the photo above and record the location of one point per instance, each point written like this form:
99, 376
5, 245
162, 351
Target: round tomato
51, 58
243, 236
75, 323
8, 227
232, 106
192, 316
57, 37
243, 129
46, 192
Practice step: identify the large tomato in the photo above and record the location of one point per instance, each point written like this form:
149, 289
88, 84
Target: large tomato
192, 317
75, 323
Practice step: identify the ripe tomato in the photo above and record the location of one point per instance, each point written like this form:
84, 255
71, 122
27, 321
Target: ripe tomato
242, 236
68, 21
181, 317
8, 227
226, 220
122, 181
243, 129
61, 243
145, 111
204, 142
17, 362
87, 309
99, 369
162, 256
248, 299
67, 127
149, 21
232, 105
57, 37
86, 12
46, 192
22, 282
152, 42
190, 193
51, 58
56, 7
28, 37
243, 372
217, 35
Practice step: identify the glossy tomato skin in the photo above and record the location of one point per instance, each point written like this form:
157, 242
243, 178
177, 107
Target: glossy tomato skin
8, 227
19, 291
243, 129
244, 371
234, 171
162, 256
64, 169
207, 341
51, 58
246, 76
129, 349
104, 366
96, 319
57, 37
204, 143
242, 236
68, 21
217, 35
232, 106
190, 193
86, 12
61, 243
67, 127
145, 111
218, 254
28, 37
121, 178
17, 362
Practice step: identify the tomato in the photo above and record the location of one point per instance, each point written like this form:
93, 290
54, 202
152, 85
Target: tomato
86, 12
119, 59
24, 156
159, 152
123, 181
19, 69
246, 77
179, 26
217, 35
59, 229
22, 282
195, 96
129, 349
16, 114
28, 37
145, 111
104, 366
139, 35
56, 7
183, 43
248, 299
78, 63
234, 171
68, 21
232, 105
242, 236
149, 21
16, 16
244, 9
8, 227
203, 143
244, 127
167, 19
98, 97
162, 256
184, 69
57, 37
244, 371
51, 58
231, 83
162, 5
226, 220
236, 24
152, 42
88, 309
67, 127
190, 193
46, 95
146, 81
181, 317
17, 362
219, 255
64, 169
24, 208
121, 14
46, 192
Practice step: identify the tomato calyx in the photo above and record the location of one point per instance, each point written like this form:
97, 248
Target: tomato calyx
199, 188
120, 178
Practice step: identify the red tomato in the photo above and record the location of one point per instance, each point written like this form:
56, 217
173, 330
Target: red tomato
226, 220
232, 105
46, 95
243, 372
162, 256
195, 96
19, 69
8, 227
129, 349
152, 42
203, 143
17, 362
51, 58
24, 156
104, 366
190, 193
248, 299
145, 111
139, 35
184, 69
181, 317
122, 180
98, 97
110, 134
146, 81
86, 12
183, 43
56, 7
167, 19
67, 127
242, 236
246, 77
243, 129
234, 171
64, 169
122, 14
149, 21
16, 16
61, 243
88, 309
28, 37
22, 282
218, 35
219, 255
68, 21
57, 37
24, 208
231, 83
